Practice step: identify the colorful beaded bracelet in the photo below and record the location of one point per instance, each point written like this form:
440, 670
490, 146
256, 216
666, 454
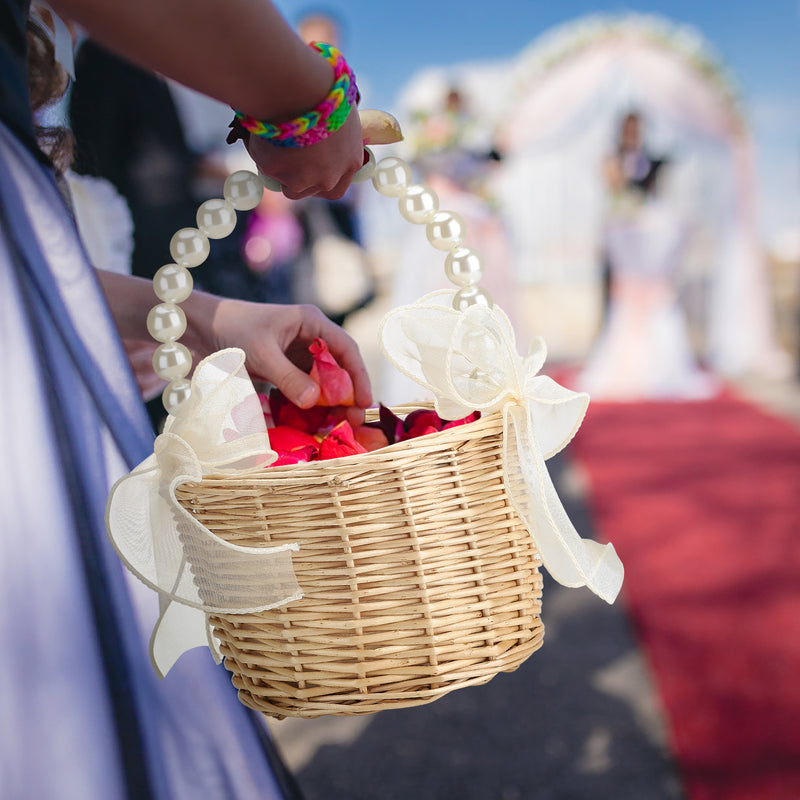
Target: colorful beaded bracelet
320, 122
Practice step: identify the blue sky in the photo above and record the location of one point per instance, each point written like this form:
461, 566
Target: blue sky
387, 41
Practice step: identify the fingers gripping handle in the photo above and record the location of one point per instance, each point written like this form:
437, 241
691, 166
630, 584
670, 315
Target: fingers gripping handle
363, 174
377, 127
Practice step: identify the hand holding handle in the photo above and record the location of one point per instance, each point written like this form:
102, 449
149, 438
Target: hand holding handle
377, 127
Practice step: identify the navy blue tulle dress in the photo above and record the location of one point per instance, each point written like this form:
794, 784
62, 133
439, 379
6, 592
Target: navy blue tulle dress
82, 715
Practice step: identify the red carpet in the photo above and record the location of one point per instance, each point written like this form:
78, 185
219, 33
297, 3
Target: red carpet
702, 502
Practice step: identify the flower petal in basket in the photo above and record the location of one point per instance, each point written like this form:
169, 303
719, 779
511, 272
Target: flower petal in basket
469, 360
220, 428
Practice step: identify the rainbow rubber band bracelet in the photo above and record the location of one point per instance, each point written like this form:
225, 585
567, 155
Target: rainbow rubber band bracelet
320, 122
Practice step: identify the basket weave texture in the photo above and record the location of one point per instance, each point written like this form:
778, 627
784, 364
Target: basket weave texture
417, 574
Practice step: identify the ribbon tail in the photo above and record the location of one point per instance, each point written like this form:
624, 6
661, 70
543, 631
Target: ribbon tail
571, 560
179, 628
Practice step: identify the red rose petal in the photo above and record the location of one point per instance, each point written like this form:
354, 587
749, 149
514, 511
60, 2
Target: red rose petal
284, 439
389, 423
299, 456
420, 422
339, 442
284, 412
370, 437
475, 415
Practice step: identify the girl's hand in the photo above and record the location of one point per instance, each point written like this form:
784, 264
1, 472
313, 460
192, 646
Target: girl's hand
275, 339
324, 169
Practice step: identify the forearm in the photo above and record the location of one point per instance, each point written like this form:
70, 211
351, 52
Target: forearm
130, 299
215, 47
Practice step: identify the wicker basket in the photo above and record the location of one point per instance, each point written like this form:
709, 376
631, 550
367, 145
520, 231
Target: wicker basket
418, 576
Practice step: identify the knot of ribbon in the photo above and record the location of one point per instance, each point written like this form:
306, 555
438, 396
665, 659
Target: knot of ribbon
219, 429
469, 361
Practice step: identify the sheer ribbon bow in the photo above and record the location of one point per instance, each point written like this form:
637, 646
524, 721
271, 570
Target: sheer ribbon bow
220, 428
468, 359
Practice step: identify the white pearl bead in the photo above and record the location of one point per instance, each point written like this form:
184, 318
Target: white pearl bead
173, 283
216, 218
463, 266
367, 168
172, 360
390, 176
418, 203
270, 183
243, 190
445, 230
189, 247
176, 394
166, 322
471, 296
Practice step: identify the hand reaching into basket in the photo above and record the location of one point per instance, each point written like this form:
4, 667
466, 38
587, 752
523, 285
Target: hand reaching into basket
276, 342
275, 339
324, 430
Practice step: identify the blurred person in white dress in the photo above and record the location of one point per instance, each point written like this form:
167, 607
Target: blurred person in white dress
643, 350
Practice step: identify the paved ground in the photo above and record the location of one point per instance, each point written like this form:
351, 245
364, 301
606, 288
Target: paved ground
781, 397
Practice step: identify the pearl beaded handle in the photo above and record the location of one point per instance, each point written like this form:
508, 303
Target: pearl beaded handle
242, 191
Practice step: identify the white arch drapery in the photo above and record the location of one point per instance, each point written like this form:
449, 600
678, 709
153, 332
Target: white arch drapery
560, 102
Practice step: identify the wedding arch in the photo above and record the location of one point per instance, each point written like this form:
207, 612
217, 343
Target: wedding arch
555, 119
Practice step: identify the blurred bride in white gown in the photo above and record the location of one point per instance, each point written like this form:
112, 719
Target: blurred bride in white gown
643, 349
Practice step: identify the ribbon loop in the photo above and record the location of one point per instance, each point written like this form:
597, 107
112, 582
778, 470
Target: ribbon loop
220, 427
468, 359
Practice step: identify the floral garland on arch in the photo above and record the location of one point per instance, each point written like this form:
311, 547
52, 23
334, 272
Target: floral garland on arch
569, 39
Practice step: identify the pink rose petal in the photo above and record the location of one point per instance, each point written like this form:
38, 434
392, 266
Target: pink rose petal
335, 383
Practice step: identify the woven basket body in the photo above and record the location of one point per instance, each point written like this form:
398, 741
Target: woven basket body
418, 576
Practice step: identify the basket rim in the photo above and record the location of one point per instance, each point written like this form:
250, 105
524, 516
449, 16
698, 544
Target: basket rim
319, 469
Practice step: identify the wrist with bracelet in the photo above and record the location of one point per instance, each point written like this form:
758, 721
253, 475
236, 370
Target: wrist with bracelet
315, 125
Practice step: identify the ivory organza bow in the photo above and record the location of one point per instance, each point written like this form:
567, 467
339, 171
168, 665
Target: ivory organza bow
220, 428
469, 360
